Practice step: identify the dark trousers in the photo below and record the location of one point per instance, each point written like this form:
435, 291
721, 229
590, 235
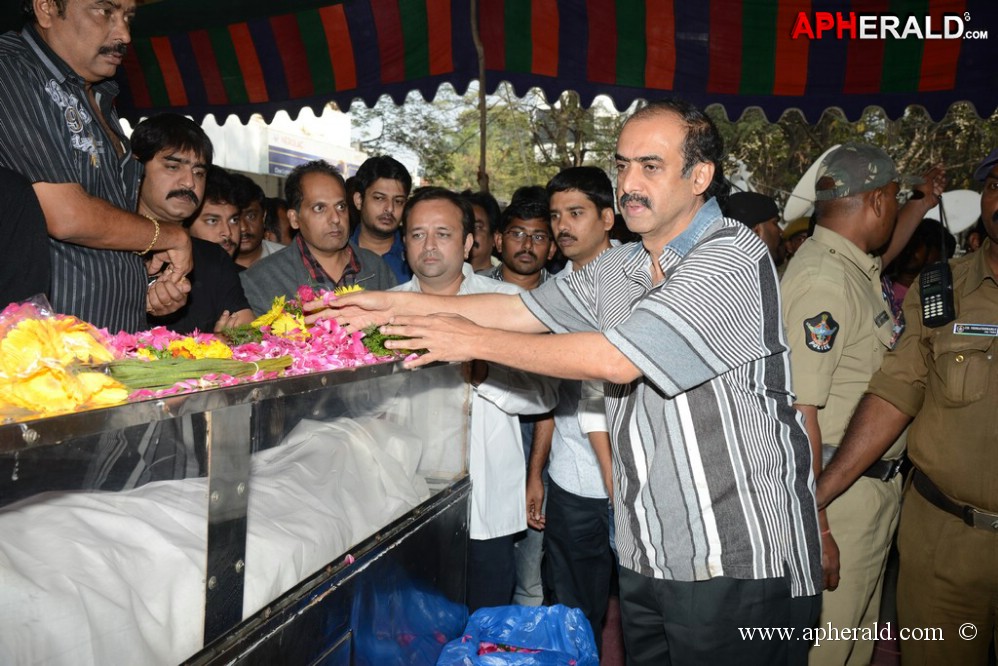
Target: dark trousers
491, 572
578, 561
673, 623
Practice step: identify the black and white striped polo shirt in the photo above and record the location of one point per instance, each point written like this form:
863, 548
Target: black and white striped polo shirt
712, 468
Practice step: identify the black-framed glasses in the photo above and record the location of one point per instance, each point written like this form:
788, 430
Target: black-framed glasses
520, 235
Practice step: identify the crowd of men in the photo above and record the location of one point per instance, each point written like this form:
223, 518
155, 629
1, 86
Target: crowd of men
715, 416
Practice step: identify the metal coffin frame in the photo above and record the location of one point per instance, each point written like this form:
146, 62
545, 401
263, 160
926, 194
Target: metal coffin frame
430, 541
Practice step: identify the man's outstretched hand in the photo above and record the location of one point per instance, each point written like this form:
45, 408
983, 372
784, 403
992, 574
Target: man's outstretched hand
355, 311
446, 337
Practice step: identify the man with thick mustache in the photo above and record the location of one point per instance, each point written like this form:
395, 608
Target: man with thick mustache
382, 185
574, 444
176, 154
716, 527
59, 129
943, 381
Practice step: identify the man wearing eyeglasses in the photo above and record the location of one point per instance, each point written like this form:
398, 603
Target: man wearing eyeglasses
525, 243
839, 324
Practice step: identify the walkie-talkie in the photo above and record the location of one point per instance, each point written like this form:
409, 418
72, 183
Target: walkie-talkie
936, 284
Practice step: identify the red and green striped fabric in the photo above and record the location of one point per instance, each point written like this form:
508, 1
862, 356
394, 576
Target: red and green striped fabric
312, 55
739, 53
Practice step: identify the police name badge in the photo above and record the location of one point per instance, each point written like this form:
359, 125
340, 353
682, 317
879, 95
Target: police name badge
985, 330
819, 332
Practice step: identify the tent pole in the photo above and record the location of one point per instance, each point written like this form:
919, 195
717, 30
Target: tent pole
483, 176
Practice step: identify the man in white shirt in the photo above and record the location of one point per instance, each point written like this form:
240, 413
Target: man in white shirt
437, 227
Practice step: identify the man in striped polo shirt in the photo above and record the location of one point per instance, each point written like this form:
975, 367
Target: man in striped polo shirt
714, 507
59, 129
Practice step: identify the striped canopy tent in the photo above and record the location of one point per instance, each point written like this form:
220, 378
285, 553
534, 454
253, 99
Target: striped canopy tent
260, 56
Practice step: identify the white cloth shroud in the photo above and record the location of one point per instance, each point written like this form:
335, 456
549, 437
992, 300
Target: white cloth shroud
118, 578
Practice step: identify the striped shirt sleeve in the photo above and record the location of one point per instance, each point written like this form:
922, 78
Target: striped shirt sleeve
705, 320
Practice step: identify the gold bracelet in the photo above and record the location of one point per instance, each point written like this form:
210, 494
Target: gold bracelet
155, 236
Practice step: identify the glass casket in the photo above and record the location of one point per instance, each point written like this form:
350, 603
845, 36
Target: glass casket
318, 519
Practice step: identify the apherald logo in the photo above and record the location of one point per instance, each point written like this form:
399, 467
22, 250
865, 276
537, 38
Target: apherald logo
853, 25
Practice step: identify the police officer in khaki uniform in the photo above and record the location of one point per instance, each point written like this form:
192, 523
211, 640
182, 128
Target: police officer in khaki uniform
839, 325
944, 381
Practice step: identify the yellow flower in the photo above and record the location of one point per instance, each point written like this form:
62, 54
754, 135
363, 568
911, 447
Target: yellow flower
101, 390
276, 310
144, 352
35, 360
26, 347
190, 348
77, 341
339, 291
36, 342
49, 391
281, 322
216, 349
290, 326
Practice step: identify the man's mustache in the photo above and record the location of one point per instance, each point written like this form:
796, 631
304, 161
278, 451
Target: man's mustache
565, 234
525, 252
188, 194
636, 198
120, 48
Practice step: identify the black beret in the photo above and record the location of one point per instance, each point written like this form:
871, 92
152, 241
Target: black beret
751, 208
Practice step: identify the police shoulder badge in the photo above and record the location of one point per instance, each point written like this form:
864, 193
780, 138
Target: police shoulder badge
819, 332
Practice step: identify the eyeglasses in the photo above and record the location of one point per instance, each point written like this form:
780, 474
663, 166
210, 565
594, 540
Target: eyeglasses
520, 235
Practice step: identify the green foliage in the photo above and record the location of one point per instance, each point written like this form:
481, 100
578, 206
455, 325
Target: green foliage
423, 128
778, 153
529, 140
374, 341
240, 335
164, 373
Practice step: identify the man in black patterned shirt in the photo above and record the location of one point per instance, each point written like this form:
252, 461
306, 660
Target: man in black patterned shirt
58, 128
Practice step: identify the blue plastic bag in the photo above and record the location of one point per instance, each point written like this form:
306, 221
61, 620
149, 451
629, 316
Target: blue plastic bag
401, 621
560, 635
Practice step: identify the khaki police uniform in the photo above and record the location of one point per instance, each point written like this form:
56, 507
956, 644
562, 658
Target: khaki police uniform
946, 378
838, 327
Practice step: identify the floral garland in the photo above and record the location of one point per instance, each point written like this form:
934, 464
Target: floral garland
52, 363
280, 332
